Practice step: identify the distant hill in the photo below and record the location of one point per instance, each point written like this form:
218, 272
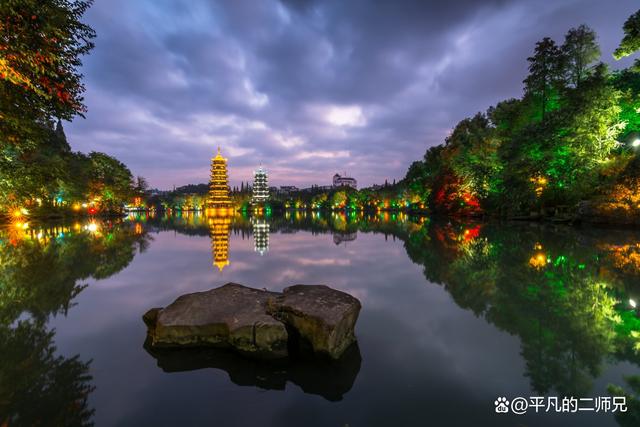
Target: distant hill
192, 189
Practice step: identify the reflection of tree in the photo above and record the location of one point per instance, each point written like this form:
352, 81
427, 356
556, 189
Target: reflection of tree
40, 274
563, 311
41, 278
38, 388
631, 418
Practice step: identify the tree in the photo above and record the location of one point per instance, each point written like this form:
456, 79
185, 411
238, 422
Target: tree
141, 187
41, 42
545, 74
631, 41
111, 181
580, 50
472, 150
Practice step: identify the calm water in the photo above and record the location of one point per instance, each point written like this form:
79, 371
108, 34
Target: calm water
454, 315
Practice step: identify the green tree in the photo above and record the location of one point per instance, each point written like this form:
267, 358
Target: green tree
111, 181
580, 50
41, 43
545, 75
631, 41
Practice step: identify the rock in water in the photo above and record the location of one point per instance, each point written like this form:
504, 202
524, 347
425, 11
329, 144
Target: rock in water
256, 322
229, 316
322, 316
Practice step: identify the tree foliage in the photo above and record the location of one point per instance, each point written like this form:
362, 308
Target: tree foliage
631, 41
41, 44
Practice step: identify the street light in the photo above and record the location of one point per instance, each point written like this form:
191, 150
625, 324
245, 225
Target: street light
635, 143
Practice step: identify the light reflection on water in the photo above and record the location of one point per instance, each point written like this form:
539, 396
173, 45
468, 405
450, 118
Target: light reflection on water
454, 315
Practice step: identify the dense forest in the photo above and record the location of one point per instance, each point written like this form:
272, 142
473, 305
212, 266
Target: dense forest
572, 137
41, 45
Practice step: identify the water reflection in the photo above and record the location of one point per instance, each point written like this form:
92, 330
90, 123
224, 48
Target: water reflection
569, 295
260, 227
41, 273
219, 232
327, 378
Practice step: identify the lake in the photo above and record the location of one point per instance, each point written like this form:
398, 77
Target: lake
454, 315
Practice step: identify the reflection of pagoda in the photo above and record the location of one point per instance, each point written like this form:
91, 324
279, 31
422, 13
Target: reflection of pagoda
260, 235
220, 231
219, 185
339, 238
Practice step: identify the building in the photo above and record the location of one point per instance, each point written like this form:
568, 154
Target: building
219, 184
260, 192
344, 181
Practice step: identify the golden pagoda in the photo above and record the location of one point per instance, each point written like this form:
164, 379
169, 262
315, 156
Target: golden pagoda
219, 201
219, 230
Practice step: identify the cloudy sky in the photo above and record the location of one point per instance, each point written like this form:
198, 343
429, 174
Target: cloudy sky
307, 87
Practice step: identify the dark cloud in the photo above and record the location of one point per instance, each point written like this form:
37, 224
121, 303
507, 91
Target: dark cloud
307, 87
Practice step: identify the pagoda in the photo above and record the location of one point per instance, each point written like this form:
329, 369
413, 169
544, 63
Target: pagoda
219, 184
260, 187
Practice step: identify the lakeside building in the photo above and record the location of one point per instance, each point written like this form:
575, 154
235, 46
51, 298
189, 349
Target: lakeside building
344, 181
260, 190
219, 184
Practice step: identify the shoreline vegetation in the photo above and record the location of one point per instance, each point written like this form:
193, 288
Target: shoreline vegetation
565, 152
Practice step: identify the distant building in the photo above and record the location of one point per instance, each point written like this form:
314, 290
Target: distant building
260, 187
344, 181
320, 188
288, 189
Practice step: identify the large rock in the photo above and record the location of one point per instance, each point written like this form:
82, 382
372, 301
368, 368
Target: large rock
229, 316
322, 316
256, 322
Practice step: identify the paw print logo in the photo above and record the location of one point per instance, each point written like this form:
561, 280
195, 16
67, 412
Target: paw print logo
502, 405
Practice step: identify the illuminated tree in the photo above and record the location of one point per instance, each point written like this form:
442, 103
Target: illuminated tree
631, 41
41, 42
545, 75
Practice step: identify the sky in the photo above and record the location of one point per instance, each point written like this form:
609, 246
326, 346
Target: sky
307, 88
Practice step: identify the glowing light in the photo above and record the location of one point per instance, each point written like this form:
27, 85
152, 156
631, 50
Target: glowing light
635, 142
22, 225
632, 303
76, 207
538, 260
92, 227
